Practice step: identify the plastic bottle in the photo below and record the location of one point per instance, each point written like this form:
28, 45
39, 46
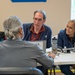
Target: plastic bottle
65, 49
54, 45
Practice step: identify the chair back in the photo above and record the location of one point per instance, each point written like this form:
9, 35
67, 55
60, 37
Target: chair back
19, 71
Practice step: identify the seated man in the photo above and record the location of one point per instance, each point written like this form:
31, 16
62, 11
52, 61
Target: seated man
17, 53
37, 31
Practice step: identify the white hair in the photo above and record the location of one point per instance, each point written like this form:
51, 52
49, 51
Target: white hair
11, 27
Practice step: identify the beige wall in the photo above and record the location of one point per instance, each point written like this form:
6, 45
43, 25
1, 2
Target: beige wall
58, 12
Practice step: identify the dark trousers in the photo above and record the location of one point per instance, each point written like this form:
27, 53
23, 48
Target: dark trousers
44, 70
66, 70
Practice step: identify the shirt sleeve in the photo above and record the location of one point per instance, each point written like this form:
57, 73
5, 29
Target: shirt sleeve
43, 59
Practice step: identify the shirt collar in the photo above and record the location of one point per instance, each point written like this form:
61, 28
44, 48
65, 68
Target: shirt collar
41, 30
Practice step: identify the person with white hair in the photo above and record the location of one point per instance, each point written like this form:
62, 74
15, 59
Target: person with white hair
14, 52
13, 28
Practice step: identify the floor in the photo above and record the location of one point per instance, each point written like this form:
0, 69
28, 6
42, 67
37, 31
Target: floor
56, 74
58, 71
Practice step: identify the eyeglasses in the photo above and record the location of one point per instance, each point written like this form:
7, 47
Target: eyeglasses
38, 19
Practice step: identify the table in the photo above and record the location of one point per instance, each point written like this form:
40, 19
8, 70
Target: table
63, 58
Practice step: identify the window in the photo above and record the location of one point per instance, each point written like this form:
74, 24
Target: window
72, 9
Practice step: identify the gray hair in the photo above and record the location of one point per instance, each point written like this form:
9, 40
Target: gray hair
11, 27
41, 11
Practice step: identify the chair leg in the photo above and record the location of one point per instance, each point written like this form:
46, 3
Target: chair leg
51, 71
46, 72
54, 70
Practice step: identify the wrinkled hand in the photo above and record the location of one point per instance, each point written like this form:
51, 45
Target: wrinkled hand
51, 55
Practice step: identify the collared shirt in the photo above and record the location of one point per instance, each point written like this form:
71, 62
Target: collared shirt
44, 35
35, 36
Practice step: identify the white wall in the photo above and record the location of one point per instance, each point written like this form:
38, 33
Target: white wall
58, 12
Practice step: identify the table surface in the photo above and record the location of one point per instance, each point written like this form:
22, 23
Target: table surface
63, 58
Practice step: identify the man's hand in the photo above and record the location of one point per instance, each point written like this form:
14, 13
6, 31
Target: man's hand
51, 55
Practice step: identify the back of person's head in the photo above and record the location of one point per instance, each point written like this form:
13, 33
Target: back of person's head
11, 27
41, 11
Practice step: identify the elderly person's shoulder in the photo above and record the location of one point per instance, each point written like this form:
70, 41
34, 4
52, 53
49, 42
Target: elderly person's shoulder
31, 44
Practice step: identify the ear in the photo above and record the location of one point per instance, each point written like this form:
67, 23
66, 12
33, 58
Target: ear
20, 30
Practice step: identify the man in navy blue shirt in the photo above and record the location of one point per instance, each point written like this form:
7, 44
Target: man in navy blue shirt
38, 30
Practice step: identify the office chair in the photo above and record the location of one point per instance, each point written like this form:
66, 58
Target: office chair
19, 71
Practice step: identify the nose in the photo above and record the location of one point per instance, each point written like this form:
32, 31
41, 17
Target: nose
37, 21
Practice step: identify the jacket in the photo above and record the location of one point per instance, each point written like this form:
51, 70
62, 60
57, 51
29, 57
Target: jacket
64, 40
17, 53
45, 35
